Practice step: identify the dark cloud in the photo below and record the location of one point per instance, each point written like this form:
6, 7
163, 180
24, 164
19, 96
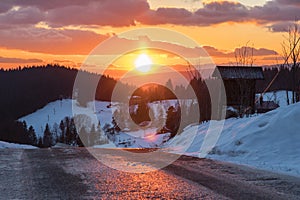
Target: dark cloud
212, 51
4, 6
274, 11
19, 60
273, 59
225, 11
127, 12
104, 12
73, 12
48, 5
289, 2
280, 26
24, 15
211, 13
256, 52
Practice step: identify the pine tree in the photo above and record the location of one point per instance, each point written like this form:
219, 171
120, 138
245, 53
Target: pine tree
62, 129
40, 142
169, 85
83, 139
73, 132
102, 138
115, 127
94, 136
173, 120
55, 131
32, 136
48, 138
68, 131
142, 113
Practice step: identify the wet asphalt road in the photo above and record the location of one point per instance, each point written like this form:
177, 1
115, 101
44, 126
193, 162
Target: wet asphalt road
74, 174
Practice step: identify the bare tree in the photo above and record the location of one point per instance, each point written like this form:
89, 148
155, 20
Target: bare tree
291, 54
244, 56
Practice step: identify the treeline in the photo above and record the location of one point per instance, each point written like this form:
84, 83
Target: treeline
24, 90
65, 133
18, 132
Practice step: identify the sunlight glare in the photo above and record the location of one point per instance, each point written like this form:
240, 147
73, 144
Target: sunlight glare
143, 63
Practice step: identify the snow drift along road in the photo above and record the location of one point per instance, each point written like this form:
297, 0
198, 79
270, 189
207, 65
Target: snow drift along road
269, 141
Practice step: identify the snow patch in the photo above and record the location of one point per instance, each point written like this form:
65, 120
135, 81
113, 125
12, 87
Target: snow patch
7, 145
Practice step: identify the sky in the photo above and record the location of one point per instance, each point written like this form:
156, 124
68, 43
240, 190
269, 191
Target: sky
35, 32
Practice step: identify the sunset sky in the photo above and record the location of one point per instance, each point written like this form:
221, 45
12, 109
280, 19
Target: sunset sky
35, 32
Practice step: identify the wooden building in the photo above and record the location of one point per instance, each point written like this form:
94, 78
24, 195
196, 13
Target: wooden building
240, 83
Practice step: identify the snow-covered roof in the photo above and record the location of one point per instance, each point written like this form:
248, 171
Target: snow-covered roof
238, 72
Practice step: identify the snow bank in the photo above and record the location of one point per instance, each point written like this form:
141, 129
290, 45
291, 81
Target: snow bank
270, 141
5, 145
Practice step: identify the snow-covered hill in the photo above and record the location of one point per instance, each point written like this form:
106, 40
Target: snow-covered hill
7, 145
270, 141
56, 111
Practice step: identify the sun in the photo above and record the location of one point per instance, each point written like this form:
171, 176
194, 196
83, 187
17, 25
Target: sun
143, 63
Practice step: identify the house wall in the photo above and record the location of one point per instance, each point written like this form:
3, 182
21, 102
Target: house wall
240, 94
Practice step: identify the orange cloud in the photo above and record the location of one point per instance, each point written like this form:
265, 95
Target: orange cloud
50, 41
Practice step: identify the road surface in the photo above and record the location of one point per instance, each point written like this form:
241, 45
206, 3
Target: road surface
73, 173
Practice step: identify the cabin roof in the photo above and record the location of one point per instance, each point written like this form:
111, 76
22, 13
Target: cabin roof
239, 72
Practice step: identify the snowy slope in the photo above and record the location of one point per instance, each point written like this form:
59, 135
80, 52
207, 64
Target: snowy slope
56, 111
5, 145
270, 141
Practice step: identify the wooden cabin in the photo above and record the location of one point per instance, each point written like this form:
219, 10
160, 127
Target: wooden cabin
239, 83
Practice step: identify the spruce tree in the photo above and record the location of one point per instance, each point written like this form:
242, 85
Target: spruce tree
40, 142
48, 138
83, 139
68, 134
62, 129
32, 136
94, 136
73, 132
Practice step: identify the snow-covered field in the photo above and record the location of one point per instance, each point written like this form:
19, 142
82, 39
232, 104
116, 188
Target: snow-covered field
5, 145
269, 141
